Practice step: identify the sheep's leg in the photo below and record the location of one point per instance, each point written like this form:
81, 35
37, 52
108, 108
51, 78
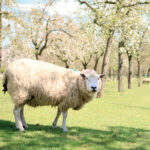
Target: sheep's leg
17, 115
23, 119
64, 122
56, 119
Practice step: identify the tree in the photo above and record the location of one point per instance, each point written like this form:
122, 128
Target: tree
87, 43
120, 66
21, 49
137, 36
0, 32
131, 51
107, 14
85, 50
63, 44
39, 46
141, 54
98, 51
38, 25
7, 13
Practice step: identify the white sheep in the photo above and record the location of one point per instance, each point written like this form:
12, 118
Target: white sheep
146, 80
38, 83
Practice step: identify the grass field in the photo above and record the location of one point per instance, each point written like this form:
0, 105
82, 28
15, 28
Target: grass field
118, 121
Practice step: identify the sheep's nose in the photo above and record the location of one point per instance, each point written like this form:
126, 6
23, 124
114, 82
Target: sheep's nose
93, 88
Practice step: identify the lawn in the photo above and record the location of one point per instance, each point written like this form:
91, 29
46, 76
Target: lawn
118, 121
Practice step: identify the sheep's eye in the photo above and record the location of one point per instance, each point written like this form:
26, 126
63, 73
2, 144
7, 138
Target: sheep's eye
87, 79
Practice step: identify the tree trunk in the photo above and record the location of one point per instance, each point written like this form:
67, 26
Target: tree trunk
66, 65
139, 72
96, 64
120, 72
84, 65
106, 60
114, 74
143, 73
0, 33
130, 72
110, 73
37, 56
148, 73
107, 53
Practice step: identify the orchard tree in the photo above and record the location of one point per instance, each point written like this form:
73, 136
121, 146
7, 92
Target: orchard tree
38, 25
143, 52
6, 13
132, 45
21, 49
98, 52
120, 66
85, 40
134, 36
63, 44
131, 20
99, 46
106, 14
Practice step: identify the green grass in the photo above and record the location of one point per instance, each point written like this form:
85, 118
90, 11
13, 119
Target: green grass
118, 121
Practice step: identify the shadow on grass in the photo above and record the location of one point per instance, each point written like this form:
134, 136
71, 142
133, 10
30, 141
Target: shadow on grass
45, 137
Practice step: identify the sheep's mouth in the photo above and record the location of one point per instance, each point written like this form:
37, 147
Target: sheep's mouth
94, 91
91, 92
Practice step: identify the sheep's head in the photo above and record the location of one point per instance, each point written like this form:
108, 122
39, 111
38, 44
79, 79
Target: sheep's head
90, 81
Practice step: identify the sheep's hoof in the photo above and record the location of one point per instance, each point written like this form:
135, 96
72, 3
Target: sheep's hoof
21, 129
54, 126
25, 126
65, 130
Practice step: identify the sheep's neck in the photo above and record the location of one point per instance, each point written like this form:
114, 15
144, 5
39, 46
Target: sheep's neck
86, 97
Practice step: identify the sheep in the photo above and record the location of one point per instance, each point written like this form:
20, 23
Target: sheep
38, 83
147, 80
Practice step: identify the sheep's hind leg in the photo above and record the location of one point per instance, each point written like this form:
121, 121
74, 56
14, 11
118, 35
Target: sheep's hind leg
64, 122
56, 119
17, 115
23, 119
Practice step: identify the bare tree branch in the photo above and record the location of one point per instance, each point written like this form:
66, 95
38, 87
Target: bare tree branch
35, 44
47, 33
62, 30
87, 4
46, 39
109, 2
139, 3
113, 3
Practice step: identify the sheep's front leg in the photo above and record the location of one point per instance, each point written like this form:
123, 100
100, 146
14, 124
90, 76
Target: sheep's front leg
23, 119
56, 119
17, 115
64, 122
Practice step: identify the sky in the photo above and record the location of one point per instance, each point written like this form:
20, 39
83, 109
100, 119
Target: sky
25, 1
62, 7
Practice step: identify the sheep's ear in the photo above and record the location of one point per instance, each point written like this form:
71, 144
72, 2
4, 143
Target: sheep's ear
101, 75
82, 75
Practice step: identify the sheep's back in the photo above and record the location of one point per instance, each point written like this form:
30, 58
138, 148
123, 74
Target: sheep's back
46, 84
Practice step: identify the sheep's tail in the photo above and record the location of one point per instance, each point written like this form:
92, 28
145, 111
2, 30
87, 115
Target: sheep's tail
5, 83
